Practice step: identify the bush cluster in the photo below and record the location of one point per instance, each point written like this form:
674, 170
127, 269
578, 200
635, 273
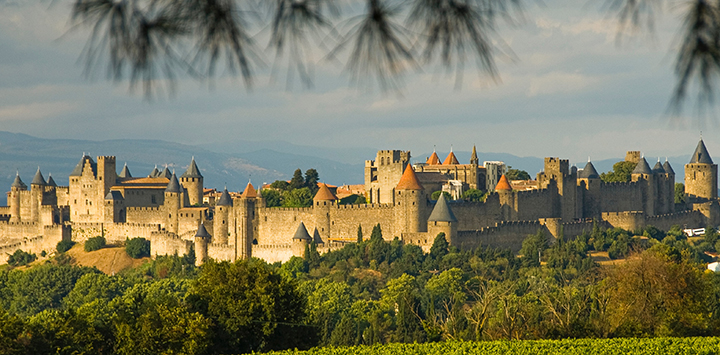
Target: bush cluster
95, 243
137, 248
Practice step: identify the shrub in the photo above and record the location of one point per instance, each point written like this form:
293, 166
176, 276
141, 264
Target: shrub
95, 243
137, 247
64, 245
19, 258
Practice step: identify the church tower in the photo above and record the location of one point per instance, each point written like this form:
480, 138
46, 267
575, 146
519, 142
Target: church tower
700, 176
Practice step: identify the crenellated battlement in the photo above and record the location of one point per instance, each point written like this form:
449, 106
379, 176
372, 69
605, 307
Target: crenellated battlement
364, 206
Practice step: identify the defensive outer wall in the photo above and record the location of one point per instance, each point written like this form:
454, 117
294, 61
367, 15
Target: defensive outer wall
165, 209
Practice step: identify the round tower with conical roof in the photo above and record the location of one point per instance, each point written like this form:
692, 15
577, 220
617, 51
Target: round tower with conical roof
172, 204
202, 238
221, 218
701, 176
589, 192
323, 201
300, 240
410, 204
192, 180
442, 220
507, 198
14, 198
244, 211
644, 175
37, 189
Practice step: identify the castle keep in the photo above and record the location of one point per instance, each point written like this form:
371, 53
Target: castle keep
169, 210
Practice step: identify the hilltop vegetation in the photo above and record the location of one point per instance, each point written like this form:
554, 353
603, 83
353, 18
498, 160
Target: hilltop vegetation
369, 292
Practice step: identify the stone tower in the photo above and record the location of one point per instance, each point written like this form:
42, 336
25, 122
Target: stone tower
114, 207
700, 176
173, 203
644, 175
244, 211
14, 198
192, 180
382, 174
410, 204
474, 158
221, 218
589, 182
442, 220
202, 239
37, 190
508, 206
300, 240
558, 170
323, 200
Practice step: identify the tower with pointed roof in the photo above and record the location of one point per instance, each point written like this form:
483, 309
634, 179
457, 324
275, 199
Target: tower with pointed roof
701, 175
323, 201
442, 220
202, 239
645, 176
37, 190
245, 214
192, 180
172, 205
14, 198
300, 240
114, 207
474, 158
221, 218
589, 191
411, 204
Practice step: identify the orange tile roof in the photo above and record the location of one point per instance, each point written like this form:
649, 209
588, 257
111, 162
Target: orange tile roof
249, 192
451, 159
324, 194
433, 160
503, 184
409, 180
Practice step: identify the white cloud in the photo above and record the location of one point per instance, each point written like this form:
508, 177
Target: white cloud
35, 110
560, 83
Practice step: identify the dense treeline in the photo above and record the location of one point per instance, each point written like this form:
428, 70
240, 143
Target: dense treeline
369, 292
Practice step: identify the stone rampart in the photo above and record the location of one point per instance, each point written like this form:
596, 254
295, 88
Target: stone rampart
620, 196
278, 225
503, 235
154, 215
685, 219
166, 243
534, 204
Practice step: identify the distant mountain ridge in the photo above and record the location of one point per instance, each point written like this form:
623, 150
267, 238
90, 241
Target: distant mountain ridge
230, 165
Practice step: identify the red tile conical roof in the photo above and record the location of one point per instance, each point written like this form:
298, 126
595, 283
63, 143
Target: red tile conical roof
503, 184
409, 180
451, 159
249, 192
433, 160
324, 194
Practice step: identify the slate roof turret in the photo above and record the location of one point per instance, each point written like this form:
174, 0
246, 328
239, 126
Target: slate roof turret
173, 185
114, 195
408, 180
165, 173
201, 232
18, 183
642, 167
192, 171
38, 179
302, 233
79, 167
51, 181
668, 169
225, 199
658, 168
316, 237
125, 173
154, 173
701, 155
589, 172
442, 212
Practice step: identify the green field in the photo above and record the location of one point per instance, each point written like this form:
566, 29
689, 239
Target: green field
624, 346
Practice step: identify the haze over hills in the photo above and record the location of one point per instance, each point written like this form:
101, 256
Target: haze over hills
229, 164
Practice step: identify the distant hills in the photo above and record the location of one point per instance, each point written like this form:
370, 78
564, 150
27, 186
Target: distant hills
228, 164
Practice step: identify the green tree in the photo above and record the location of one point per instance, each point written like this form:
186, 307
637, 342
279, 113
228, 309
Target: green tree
297, 180
533, 247
281, 185
95, 286
94, 243
516, 174
12, 334
622, 172
679, 192
440, 247
137, 248
67, 332
311, 180
272, 197
436, 195
301, 197
64, 245
359, 234
20, 258
473, 195
376, 233
252, 307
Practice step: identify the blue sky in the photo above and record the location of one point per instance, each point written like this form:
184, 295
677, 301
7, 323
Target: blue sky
573, 92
